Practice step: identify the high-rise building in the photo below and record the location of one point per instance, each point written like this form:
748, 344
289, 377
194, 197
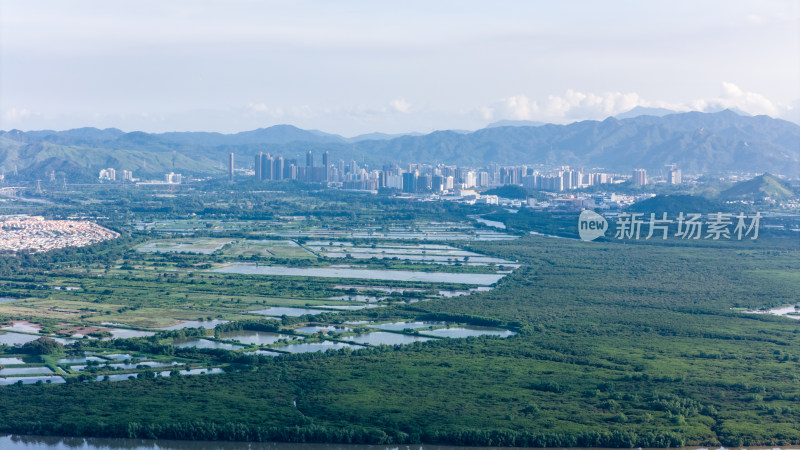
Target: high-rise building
483, 178
424, 183
277, 168
309, 159
267, 171
108, 174
639, 177
410, 182
326, 163
173, 178
674, 176
257, 166
437, 183
575, 179
470, 180
230, 167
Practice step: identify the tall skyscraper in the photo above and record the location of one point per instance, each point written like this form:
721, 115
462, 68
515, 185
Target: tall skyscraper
437, 183
309, 159
277, 169
266, 167
639, 177
257, 166
674, 176
410, 182
230, 167
326, 163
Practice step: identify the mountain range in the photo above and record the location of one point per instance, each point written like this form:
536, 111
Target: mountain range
696, 142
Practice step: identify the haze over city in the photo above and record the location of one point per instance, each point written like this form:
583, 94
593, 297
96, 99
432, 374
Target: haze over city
360, 67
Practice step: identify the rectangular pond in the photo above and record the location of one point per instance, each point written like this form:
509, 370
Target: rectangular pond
400, 326
384, 338
318, 328
121, 366
31, 380
7, 361
121, 333
16, 338
24, 370
468, 331
204, 343
314, 347
207, 324
278, 311
392, 275
79, 360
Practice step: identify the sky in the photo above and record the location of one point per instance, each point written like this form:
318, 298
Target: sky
355, 67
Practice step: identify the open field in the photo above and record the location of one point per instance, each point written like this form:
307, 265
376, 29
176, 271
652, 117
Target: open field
204, 246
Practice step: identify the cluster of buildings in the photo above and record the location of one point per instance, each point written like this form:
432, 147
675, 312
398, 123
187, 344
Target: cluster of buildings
35, 234
268, 167
423, 178
582, 200
110, 174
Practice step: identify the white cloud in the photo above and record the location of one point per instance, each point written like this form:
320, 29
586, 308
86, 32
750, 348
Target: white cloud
572, 105
262, 108
519, 107
579, 105
15, 114
575, 105
734, 97
401, 105
756, 19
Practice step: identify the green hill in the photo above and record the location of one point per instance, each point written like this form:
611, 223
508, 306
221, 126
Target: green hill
675, 204
760, 188
509, 191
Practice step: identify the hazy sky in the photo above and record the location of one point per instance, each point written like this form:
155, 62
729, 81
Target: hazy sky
352, 67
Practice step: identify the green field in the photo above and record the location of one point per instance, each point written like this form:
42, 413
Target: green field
618, 344
204, 246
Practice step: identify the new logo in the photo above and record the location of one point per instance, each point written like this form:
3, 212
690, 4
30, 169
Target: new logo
591, 225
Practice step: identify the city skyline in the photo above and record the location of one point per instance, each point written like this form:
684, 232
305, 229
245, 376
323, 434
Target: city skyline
355, 67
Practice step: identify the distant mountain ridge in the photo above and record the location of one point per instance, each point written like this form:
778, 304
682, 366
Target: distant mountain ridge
515, 123
696, 142
644, 111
